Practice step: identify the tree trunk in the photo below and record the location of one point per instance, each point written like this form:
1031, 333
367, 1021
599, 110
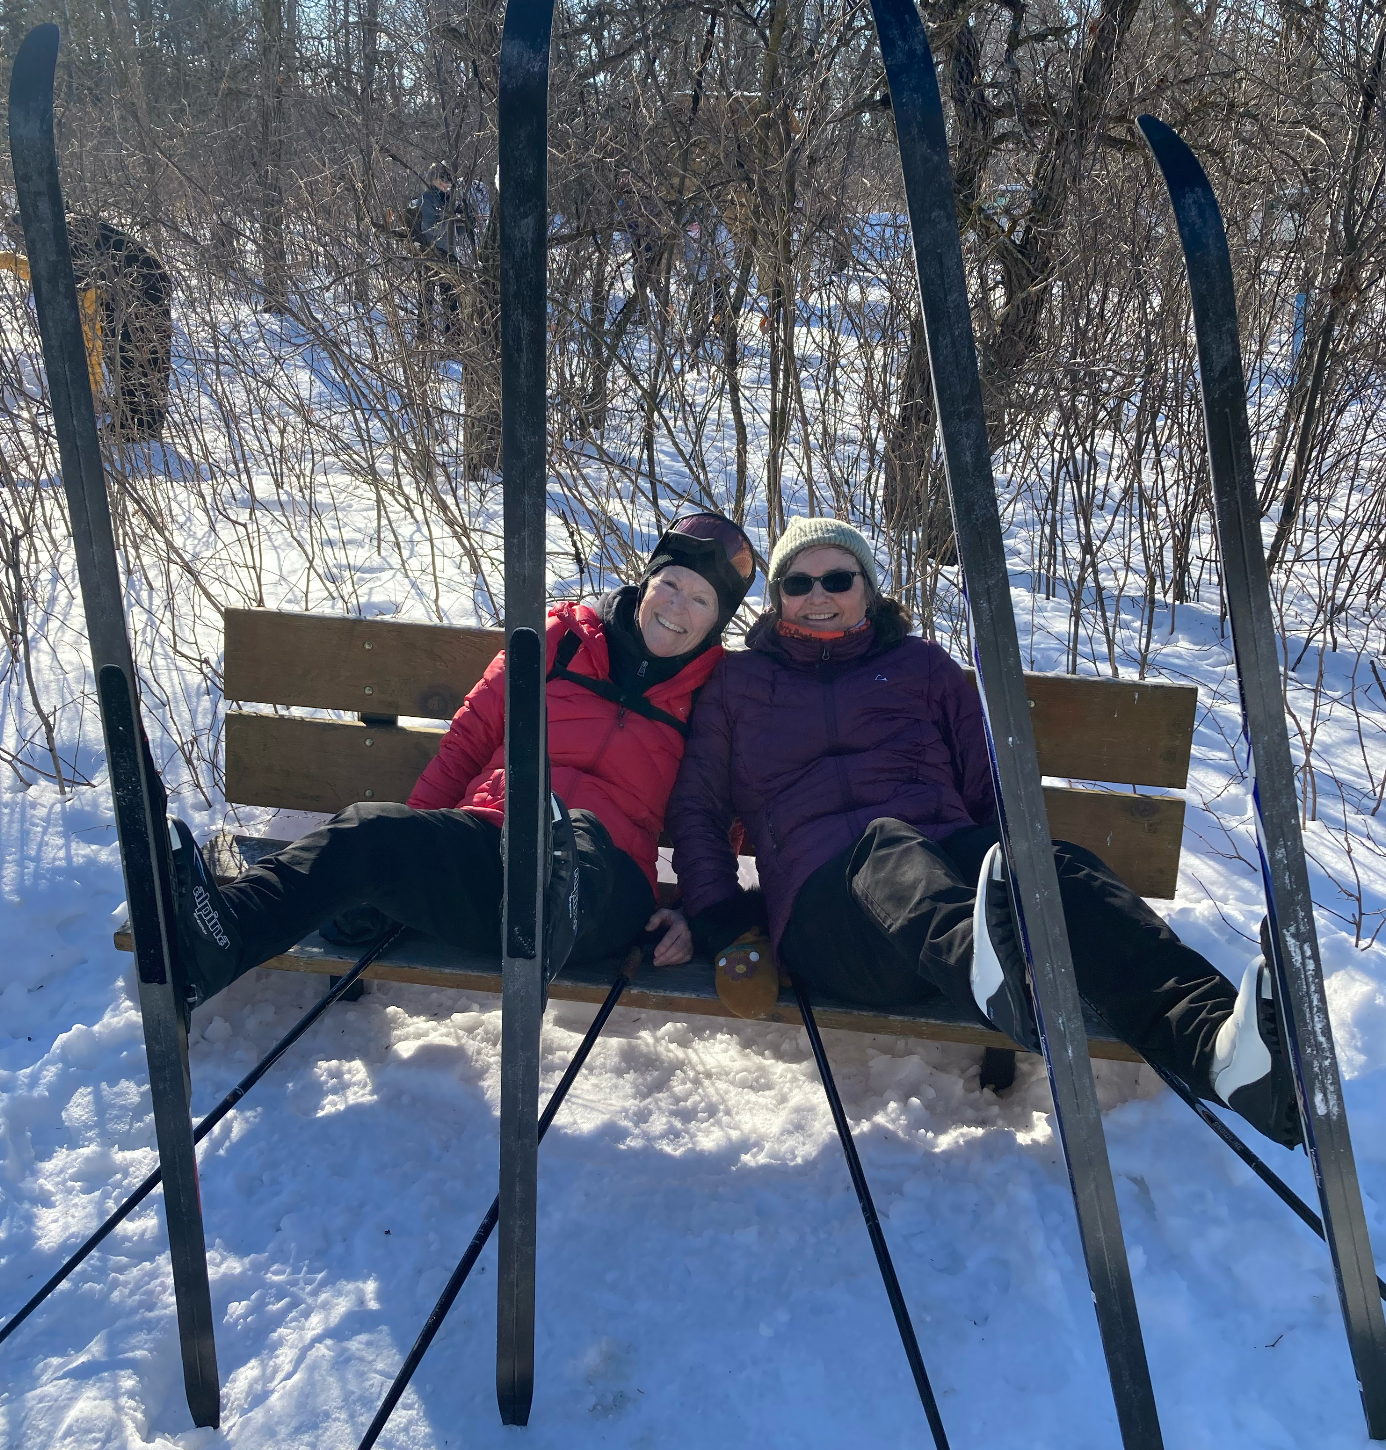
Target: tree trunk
1346, 232
274, 266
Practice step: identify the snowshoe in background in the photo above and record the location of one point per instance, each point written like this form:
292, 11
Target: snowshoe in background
1251, 1070
207, 928
999, 984
748, 981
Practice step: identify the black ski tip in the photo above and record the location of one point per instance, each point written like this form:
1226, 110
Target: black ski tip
1167, 144
1154, 129
32, 76
1195, 203
1182, 169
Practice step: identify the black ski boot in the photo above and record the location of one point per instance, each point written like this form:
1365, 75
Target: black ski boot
999, 984
563, 895
207, 930
1251, 1071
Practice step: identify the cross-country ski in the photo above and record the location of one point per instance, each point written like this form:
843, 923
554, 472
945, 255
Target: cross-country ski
742, 729
1292, 964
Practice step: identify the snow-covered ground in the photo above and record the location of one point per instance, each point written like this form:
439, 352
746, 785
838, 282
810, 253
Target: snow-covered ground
704, 1274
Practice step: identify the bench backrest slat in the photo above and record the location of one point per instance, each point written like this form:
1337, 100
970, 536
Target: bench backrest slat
1138, 836
368, 666
1126, 732
321, 765
1134, 731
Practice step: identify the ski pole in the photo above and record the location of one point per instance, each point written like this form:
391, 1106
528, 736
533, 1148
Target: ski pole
434, 1322
873, 1223
205, 1126
1263, 1171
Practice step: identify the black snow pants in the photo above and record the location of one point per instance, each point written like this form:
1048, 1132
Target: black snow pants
889, 923
439, 872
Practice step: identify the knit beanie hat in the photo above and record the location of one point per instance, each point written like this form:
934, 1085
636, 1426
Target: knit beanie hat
714, 547
804, 533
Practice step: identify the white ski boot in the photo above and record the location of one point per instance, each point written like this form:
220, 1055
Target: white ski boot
1250, 1072
999, 985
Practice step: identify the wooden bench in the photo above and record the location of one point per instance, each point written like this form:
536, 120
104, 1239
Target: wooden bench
382, 672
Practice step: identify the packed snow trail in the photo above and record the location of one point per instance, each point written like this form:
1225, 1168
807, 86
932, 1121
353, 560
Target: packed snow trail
703, 1269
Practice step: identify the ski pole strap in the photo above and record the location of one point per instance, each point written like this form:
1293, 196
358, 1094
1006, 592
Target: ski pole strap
568, 646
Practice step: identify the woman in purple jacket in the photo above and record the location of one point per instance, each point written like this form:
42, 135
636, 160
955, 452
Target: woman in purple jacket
855, 757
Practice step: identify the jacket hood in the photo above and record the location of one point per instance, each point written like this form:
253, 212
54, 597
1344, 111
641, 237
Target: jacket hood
584, 621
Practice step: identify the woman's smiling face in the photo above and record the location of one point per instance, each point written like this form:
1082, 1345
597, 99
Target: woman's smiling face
819, 610
678, 611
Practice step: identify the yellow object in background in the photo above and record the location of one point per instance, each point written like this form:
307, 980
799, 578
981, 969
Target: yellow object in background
88, 303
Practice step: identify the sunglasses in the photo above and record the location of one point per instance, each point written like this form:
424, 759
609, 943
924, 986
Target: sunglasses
835, 581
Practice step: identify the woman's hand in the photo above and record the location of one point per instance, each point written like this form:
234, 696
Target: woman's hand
676, 945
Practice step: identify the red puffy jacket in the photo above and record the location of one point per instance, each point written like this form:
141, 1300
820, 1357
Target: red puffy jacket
603, 759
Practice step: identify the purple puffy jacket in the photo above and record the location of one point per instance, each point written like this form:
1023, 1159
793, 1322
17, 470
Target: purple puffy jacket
808, 742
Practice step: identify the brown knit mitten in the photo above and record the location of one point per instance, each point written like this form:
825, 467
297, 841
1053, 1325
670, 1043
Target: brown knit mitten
748, 981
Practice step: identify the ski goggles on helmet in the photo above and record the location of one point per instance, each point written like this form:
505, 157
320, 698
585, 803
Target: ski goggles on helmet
835, 581
733, 540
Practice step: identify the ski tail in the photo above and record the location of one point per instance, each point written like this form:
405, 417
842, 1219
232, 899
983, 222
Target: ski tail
521, 1015
524, 225
972, 492
1289, 903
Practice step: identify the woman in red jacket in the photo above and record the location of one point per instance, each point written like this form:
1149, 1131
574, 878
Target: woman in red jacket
622, 679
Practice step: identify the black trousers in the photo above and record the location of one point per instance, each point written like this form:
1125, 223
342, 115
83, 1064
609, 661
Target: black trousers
443, 288
889, 923
439, 872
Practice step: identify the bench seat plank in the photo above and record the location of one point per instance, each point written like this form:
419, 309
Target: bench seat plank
688, 990
685, 990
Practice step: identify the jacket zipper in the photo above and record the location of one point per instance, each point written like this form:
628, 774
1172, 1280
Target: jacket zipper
611, 729
830, 711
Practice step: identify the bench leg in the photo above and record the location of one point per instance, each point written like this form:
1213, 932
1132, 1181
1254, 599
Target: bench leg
998, 1068
354, 995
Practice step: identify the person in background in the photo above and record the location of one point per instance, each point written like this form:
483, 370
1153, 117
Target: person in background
125, 294
435, 232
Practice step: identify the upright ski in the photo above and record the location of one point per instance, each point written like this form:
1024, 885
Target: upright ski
1289, 905
524, 228
1024, 825
138, 793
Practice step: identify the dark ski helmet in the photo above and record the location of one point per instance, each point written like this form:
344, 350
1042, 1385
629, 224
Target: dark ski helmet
713, 546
